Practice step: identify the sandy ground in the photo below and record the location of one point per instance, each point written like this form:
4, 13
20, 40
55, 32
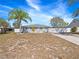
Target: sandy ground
36, 46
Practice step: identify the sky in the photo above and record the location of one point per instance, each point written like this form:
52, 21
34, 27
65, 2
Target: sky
41, 11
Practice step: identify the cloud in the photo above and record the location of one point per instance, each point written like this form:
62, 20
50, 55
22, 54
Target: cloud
34, 6
60, 10
4, 6
33, 13
4, 10
38, 18
3, 13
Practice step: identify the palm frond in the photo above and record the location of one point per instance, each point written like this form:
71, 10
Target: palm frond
76, 13
71, 2
25, 21
19, 15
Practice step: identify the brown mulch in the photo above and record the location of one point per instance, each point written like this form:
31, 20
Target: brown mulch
36, 46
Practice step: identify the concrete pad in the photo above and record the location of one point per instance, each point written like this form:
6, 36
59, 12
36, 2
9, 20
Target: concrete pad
71, 38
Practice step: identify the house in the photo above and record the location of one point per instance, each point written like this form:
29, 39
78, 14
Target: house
74, 23
34, 28
37, 28
4, 30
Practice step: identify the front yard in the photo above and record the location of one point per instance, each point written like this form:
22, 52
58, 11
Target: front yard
36, 46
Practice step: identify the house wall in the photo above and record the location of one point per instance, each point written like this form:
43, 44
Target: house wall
57, 30
30, 30
68, 30
0, 30
37, 30
53, 30
77, 29
16, 30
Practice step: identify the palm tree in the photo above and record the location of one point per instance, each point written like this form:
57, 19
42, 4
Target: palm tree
19, 15
3, 24
76, 12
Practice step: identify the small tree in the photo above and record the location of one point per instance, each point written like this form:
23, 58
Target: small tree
33, 28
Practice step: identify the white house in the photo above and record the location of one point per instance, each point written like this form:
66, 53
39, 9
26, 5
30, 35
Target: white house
35, 28
74, 23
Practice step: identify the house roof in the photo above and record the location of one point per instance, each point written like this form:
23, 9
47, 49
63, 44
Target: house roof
74, 23
36, 25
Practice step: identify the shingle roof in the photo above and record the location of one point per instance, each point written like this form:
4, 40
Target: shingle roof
36, 25
74, 23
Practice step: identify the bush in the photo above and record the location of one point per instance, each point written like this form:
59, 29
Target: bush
74, 29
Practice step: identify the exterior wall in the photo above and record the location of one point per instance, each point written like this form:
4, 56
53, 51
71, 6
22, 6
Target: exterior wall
68, 30
0, 30
57, 30
16, 30
53, 30
77, 29
30, 30
37, 30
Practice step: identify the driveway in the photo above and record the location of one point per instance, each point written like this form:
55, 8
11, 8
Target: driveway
69, 37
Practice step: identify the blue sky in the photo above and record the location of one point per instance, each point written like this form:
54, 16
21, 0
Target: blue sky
41, 11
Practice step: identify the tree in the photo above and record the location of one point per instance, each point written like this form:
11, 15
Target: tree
4, 24
19, 15
58, 23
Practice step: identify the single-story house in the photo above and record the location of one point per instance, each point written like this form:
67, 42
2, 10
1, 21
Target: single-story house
35, 28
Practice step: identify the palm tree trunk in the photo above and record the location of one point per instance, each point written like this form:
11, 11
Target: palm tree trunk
20, 26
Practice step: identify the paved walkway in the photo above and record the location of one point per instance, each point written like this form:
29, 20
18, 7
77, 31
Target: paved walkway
71, 38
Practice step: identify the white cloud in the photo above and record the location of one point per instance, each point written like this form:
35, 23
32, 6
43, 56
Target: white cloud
4, 6
61, 11
38, 18
3, 13
30, 3
39, 14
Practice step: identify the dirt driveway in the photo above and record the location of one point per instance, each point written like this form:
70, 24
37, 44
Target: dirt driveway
36, 46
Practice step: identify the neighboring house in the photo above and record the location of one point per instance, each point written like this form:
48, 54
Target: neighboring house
35, 28
4, 30
74, 23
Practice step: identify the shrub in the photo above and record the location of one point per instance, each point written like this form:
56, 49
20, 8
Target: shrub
74, 29
33, 29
